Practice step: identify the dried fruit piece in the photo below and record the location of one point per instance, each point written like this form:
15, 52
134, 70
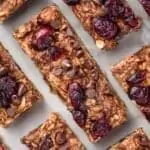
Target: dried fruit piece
146, 4
55, 53
105, 28
140, 94
100, 128
8, 87
71, 2
60, 138
76, 94
80, 117
42, 38
115, 8
137, 77
46, 143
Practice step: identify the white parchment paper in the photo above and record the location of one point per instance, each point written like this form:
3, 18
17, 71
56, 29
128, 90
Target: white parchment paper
39, 113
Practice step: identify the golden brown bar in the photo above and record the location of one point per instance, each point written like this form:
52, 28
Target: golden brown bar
105, 20
53, 134
8, 7
133, 73
69, 69
17, 93
137, 140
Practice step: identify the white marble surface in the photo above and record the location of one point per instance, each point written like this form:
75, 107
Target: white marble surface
39, 113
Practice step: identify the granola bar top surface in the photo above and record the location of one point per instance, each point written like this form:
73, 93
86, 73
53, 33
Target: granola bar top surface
2, 145
133, 73
53, 134
17, 94
146, 5
7, 7
105, 20
69, 69
137, 140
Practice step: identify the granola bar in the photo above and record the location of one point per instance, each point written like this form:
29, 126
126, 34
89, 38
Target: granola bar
17, 94
137, 140
105, 20
2, 145
7, 7
69, 69
146, 5
53, 134
133, 73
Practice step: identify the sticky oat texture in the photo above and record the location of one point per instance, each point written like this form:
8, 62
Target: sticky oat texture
106, 21
52, 134
8, 7
133, 73
69, 69
17, 94
137, 140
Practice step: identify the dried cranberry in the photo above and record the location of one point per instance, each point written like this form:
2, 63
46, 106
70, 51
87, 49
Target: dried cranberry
42, 39
46, 143
137, 78
115, 8
129, 17
101, 128
4, 102
72, 2
60, 138
105, 28
8, 87
132, 22
55, 52
146, 4
140, 94
76, 94
80, 117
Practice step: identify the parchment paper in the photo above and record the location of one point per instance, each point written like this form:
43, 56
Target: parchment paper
30, 120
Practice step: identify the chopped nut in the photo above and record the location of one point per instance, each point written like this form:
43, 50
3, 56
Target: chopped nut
22, 90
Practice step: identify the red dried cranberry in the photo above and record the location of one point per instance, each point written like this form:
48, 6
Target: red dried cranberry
146, 4
129, 17
101, 128
137, 78
55, 53
105, 28
8, 87
115, 8
72, 2
42, 38
132, 22
140, 94
76, 94
46, 143
80, 117
4, 102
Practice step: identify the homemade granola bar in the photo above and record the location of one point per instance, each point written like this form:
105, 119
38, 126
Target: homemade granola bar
69, 69
17, 94
105, 20
7, 7
137, 140
146, 5
133, 73
53, 134
2, 145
